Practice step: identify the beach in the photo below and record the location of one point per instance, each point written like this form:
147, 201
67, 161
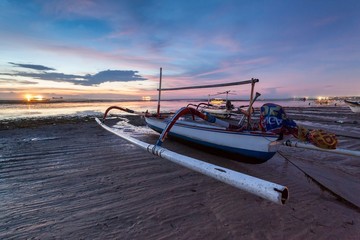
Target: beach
71, 179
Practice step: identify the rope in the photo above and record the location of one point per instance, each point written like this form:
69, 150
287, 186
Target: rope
321, 186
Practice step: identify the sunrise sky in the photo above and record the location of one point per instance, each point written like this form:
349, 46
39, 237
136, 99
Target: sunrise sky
114, 49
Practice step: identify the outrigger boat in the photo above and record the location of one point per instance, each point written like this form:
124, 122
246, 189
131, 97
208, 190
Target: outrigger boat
248, 139
190, 124
205, 129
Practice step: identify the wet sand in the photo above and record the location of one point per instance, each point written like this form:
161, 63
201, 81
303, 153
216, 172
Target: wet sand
76, 181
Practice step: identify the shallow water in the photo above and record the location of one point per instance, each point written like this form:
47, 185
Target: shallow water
34, 110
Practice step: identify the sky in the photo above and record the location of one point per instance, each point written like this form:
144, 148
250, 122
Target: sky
102, 49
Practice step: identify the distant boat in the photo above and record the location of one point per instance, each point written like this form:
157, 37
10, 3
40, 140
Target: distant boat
323, 101
221, 111
353, 105
217, 101
218, 107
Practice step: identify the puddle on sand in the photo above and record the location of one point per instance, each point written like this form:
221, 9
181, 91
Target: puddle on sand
39, 139
124, 126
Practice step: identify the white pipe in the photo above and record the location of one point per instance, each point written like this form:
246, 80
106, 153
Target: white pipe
267, 190
310, 146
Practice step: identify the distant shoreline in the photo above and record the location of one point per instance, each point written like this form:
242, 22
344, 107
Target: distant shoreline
155, 100
65, 101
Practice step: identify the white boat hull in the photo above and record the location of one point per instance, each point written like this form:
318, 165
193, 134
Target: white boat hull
254, 145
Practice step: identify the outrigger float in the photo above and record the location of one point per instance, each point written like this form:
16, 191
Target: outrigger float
250, 140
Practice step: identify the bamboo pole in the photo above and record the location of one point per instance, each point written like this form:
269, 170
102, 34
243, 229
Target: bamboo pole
309, 146
252, 81
262, 188
251, 102
159, 97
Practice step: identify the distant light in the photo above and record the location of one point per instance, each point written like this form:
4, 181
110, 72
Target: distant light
28, 97
38, 98
322, 98
146, 98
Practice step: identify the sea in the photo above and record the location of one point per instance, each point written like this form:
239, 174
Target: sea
9, 111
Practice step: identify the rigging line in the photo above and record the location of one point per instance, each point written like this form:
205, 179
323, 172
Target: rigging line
321, 186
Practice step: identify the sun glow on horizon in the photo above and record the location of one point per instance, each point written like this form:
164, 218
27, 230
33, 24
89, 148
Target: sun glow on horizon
30, 97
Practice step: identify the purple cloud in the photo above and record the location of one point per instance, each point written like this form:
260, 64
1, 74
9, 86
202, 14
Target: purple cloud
86, 80
31, 66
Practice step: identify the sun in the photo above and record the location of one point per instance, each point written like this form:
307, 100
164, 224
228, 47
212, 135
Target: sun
30, 97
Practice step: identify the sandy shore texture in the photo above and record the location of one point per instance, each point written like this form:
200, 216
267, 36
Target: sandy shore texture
65, 180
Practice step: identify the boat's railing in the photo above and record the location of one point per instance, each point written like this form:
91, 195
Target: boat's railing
147, 114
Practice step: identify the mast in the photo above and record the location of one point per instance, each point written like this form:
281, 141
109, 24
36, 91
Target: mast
158, 107
251, 101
